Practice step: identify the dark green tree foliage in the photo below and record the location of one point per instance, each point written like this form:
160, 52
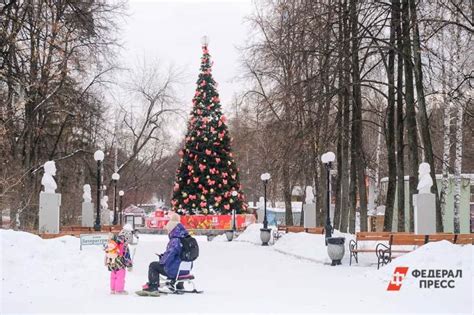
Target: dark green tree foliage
208, 177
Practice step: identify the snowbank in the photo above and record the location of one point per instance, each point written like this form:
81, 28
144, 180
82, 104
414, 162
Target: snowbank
309, 246
435, 255
252, 234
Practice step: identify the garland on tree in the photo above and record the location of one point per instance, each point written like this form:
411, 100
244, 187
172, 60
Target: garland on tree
207, 180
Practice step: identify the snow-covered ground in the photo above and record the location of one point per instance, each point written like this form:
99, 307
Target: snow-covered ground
294, 275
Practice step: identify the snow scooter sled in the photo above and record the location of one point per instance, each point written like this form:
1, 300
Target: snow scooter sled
171, 286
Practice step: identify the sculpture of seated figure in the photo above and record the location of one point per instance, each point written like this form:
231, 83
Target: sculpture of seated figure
48, 181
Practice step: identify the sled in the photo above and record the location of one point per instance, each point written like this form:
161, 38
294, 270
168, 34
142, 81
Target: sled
185, 279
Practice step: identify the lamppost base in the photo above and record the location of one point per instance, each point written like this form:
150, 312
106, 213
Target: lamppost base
230, 235
265, 236
97, 227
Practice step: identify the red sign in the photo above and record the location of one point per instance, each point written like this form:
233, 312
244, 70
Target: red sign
205, 222
398, 275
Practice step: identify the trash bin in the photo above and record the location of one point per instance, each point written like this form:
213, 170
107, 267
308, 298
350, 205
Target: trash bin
336, 249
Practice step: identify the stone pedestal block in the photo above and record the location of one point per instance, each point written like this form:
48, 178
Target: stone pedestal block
309, 215
87, 214
49, 204
260, 213
105, 217
425, 213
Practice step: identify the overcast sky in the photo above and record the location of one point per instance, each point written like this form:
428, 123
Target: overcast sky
171, 31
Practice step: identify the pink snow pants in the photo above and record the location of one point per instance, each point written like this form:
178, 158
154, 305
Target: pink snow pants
117, 280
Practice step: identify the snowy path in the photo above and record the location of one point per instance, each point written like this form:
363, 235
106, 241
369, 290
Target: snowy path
236, 277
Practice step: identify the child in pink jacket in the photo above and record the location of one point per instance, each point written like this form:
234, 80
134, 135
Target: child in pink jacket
117, 258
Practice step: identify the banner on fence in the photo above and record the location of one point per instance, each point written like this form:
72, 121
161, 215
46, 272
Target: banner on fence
205, 222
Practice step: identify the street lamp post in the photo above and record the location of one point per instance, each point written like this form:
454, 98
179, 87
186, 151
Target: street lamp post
121, 193
265, 232
234, 227
99, 157
115, 178
265, 178
327, 158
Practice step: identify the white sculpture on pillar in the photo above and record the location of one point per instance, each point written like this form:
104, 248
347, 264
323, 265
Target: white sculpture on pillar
49, 201
87, 207
309, 209
424, 202
87, 193
48, 181
309, 195
260, 210
104, 203
424, 179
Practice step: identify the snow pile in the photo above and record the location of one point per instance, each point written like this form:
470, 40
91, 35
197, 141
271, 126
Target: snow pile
31, 264
220, 238
309, 246
252, 234
435, 255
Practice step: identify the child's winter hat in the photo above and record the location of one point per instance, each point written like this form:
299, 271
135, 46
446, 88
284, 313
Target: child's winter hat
173, 222
126, 233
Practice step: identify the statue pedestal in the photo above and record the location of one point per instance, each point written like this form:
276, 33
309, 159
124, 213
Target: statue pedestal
424, 213
49, 204
104, 217
87, 214
260, 213
309, 215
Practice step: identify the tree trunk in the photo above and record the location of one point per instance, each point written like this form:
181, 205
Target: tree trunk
457, 169
410, 110
400, 124
423, 115
390, 127
338, 205
344, 175
287, 192
357, 117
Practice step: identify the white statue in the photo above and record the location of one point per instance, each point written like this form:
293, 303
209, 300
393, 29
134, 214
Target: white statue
87, 193
104, 203
48, 181
309, 195
261, 202
424, 179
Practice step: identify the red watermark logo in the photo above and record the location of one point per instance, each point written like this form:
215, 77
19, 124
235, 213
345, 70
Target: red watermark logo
398, 275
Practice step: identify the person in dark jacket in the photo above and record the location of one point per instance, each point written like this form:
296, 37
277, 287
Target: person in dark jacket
170, 260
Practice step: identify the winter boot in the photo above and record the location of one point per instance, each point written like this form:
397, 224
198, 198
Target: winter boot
150, 287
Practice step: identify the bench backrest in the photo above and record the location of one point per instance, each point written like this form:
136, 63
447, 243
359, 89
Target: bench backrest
441, 237
281, 228
464, 239
408, 239
373, 236
294, 229
315, 230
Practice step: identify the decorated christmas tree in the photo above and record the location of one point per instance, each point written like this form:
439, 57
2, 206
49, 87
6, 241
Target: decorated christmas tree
207, 180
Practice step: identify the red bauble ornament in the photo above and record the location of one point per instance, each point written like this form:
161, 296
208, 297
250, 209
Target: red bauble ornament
186, 201
227, 207
196, 180
202, 167
208, 152
218, 160
203, 204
